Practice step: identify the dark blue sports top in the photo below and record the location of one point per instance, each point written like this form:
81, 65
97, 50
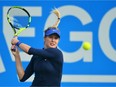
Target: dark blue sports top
47, 65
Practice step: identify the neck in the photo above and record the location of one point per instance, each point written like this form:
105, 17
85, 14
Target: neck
45, 47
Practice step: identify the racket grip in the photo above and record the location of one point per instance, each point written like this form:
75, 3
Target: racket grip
13, 48
15, 36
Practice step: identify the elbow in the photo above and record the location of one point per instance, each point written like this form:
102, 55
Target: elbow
27, 50
22, 79
24, 47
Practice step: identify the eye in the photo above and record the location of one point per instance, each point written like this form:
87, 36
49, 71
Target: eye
56, 37
50, 36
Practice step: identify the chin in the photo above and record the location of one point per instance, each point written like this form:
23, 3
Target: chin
52, 46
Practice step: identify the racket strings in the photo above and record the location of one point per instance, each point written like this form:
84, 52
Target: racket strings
18, 18
15, 22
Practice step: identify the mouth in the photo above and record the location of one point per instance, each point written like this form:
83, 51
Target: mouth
52, 44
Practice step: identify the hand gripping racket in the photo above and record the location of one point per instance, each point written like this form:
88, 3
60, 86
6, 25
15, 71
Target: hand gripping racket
19, 19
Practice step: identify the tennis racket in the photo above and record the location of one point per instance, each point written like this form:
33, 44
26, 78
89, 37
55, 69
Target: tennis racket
19, 19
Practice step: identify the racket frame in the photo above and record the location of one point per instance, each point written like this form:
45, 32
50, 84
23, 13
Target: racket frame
13, 27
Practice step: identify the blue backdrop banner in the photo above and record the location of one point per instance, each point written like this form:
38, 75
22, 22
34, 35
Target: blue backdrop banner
92, 20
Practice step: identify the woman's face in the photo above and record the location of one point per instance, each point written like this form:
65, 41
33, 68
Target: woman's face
51, 41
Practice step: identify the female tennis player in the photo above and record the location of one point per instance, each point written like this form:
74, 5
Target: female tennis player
46, 63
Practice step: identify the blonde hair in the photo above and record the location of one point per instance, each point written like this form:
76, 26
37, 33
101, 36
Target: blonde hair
57, 13
55, 26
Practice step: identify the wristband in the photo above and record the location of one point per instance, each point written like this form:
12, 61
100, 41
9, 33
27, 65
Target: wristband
18, 43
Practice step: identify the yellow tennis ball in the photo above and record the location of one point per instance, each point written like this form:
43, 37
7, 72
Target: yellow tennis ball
86, 46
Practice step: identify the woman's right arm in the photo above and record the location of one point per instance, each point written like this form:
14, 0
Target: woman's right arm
20, 70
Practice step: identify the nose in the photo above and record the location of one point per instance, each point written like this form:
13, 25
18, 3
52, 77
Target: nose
53, 39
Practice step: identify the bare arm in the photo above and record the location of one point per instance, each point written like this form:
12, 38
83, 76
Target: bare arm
20, 70
24, 47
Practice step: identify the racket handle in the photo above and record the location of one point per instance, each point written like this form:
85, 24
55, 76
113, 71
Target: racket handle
15, 36
13, 48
